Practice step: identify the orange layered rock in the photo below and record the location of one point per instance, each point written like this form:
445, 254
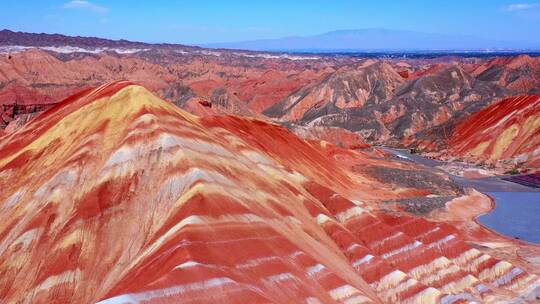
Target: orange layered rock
16, 100
349, 87
116, 196
20, 95
508, 130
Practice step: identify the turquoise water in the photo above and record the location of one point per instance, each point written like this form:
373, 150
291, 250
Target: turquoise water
517, 215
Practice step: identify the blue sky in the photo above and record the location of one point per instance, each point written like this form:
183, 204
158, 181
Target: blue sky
204, 21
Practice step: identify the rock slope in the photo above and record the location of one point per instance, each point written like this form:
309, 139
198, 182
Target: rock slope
116, 196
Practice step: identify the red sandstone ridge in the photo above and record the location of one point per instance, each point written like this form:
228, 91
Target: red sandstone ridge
116, 196
519, 74
508, 130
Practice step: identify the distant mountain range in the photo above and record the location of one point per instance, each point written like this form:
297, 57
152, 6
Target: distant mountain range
8, 37
336, 41
376, 40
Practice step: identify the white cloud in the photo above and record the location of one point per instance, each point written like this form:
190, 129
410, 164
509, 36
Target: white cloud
85, 5
521, 7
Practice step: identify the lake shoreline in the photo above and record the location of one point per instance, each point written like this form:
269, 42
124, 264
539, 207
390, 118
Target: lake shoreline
489, 219
485, 185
